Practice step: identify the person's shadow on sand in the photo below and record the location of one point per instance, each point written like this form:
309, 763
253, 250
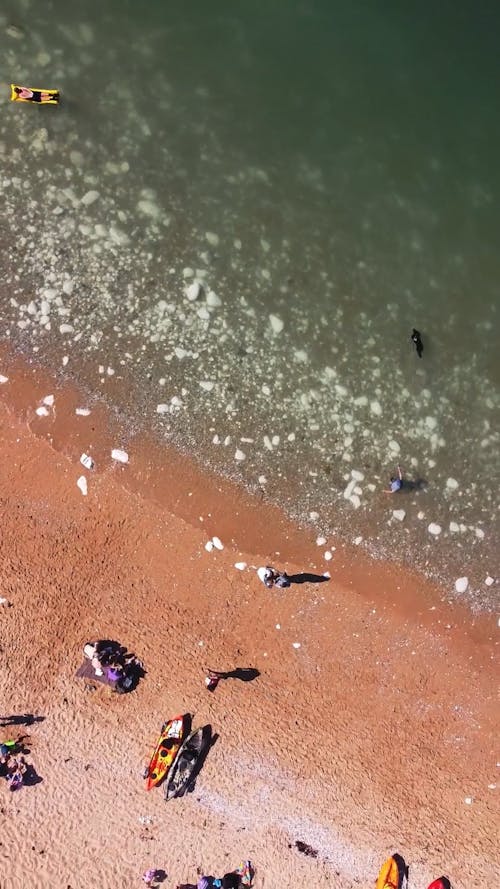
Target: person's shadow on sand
306, 577
244, 674
25, 719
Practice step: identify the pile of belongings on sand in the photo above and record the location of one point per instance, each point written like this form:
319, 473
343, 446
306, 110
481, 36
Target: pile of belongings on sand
13, 765
236, 879
109, 662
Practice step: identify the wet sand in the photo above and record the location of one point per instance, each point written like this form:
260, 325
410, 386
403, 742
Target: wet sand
375, 735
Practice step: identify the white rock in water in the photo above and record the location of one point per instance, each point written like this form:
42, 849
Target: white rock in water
434, 529
162, 408
350, 488
399, 514
68, 287
48, 400
357, 475
376, 408
82, 484
15, 32
489, 580
207, 385
320, 541
240, 565
180, 352
394, 447
461, 584
314, 516
479, 533
328, 555
119, 455
209, 546
118, 236
82, 411
217, 543
212, 238
356, 502
454, 527
90, 198
431, 422
239, 455
66, 328
193, 291
357, 541
213, 300
3, 379
187, 272
296, 644
451, 484
276, 323
42, 412
149, 208
43, 59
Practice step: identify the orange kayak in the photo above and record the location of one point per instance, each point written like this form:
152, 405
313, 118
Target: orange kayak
167, 748
390, 876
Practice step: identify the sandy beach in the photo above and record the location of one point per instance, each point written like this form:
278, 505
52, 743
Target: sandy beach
370, 729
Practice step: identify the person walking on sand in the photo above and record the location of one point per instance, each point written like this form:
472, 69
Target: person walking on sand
396, 483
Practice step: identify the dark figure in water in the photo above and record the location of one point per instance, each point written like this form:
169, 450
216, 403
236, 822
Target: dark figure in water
417, 339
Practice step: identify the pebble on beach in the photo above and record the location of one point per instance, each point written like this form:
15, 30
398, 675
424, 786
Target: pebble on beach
119, 455
82, 484
434, 529
462, 584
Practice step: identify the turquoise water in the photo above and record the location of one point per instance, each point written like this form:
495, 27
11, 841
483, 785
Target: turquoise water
233, 222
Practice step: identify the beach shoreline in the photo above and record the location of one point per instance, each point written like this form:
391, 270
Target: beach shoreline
371, 724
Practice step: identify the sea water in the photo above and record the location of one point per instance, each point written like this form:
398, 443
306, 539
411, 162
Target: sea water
230, 227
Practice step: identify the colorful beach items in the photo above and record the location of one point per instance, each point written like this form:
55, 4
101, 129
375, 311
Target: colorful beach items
34, 95
167, 748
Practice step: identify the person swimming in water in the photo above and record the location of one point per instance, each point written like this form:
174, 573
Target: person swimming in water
416, 338
396, 483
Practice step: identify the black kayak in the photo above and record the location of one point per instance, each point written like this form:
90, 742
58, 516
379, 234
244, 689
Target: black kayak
187, 763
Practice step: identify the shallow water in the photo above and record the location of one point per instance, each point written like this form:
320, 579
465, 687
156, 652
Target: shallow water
233, 222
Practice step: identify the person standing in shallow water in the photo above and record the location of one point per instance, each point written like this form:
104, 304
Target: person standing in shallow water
396, 483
